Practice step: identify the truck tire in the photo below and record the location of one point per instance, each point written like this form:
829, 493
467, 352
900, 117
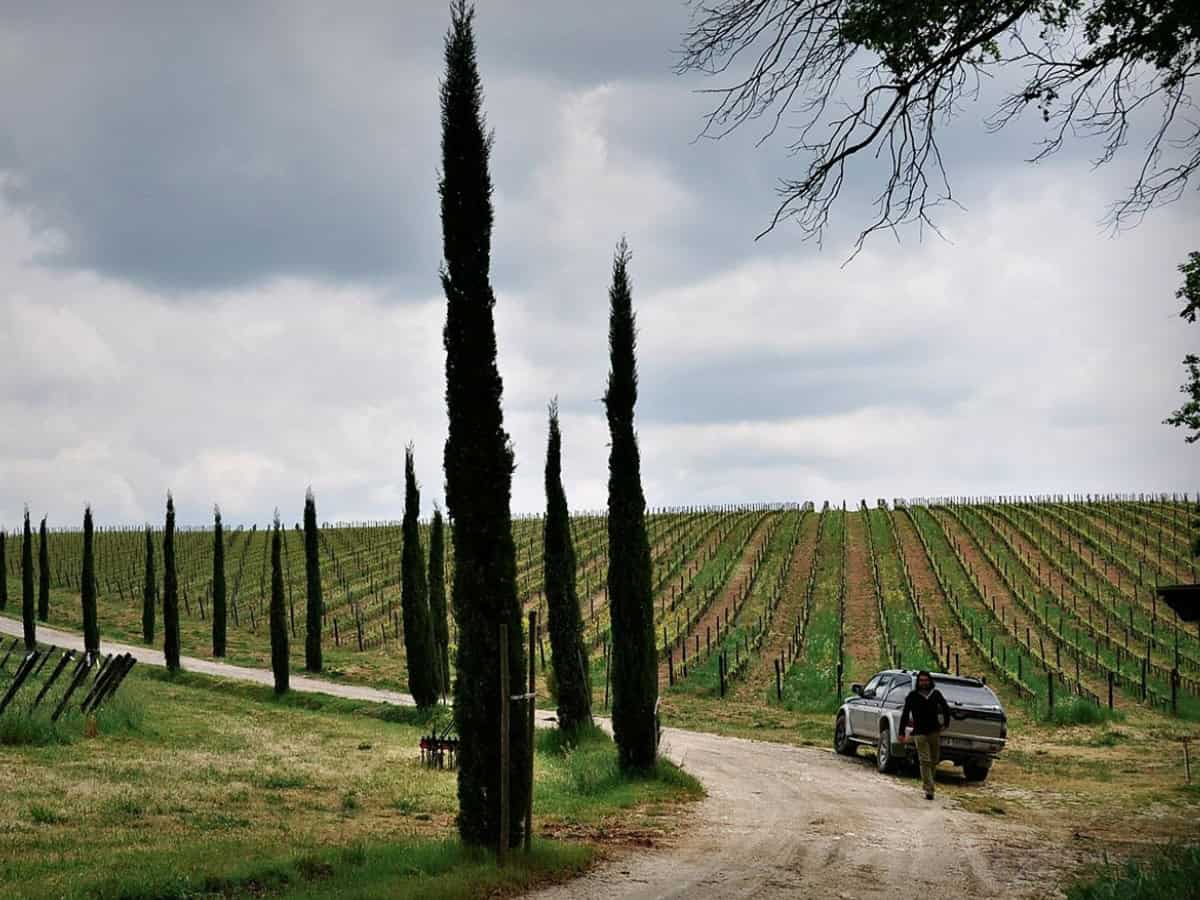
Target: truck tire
841, 742
975, 772
885, 760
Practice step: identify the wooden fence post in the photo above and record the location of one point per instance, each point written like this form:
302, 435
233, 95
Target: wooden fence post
533, 627
502, 849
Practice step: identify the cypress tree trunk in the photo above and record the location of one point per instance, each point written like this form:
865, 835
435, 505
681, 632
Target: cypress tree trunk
219, 612
43, 572
3, 571
87, 589
279, 623
149, 591
170, 592
562, 601
437, 596
312, 573
27, 608
631, 606
424, 679
478, 458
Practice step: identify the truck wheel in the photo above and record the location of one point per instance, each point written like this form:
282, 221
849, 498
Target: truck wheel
885, 760
976, 773
841, 743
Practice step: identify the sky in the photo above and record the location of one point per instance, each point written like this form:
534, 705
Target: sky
219, 254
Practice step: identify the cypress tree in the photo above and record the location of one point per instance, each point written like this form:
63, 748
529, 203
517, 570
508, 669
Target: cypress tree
43, 572
27, 608
424, 679
3, 571
478, 457
279, 622
312, 574
149, 590
567, 649
87, 589
219, 612
437, 597
634, 662
170, 592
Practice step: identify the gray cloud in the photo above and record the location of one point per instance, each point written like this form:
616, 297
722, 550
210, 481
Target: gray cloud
282, 162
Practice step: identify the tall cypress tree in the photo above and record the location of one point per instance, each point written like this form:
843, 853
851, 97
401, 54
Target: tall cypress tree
3, 571
87, 589
424, 679
437, 596
478, 456
43, 572
279, 621
312, 573
219, 612
170, 592
28, 610
631, 606
567, 649
149, 590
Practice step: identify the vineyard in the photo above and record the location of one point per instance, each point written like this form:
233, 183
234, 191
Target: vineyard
1052, 600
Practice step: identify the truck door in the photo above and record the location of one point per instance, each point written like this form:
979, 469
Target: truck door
864, 714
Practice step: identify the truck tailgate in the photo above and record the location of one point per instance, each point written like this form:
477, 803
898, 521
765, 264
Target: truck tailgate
981, 730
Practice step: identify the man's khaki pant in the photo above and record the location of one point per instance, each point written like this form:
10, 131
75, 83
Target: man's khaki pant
929, 748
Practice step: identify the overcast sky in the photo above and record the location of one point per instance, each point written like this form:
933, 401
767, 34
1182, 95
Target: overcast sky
219, 252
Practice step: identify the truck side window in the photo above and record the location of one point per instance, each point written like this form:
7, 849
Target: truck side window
900, 690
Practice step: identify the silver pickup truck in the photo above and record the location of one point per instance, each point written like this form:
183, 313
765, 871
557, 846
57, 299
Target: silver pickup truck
978, 726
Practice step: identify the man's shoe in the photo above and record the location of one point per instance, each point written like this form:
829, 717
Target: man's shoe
928, 795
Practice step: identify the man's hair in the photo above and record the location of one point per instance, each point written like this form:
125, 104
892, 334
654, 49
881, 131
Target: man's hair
925, 674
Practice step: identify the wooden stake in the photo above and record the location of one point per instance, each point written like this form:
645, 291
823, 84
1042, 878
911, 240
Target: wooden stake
533, 619
502, 849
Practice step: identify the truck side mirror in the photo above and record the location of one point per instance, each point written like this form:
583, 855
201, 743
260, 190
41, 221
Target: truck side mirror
856, 689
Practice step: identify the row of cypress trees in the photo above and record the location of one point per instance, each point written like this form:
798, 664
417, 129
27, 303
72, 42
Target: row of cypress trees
427, 636
478, 468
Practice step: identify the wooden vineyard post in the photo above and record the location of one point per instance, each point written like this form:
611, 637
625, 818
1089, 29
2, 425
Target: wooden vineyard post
606, 671
670, 667
1050, 690
1187, 762
533, 624
502, 849
778, 683
721, 669
839, 678
1110, 690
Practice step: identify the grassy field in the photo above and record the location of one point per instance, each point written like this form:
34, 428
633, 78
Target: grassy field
196, 787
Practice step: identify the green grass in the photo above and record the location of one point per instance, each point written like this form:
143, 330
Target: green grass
1172, 874
431, 868
897, 605
810, 685
220, 788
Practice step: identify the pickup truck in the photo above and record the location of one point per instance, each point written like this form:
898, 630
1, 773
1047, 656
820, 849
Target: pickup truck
978, 726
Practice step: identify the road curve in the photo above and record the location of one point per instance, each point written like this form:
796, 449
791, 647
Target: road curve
778, 821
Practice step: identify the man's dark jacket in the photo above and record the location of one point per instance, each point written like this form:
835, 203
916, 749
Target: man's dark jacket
925, 711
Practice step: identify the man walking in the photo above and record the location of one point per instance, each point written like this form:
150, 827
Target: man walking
929, 713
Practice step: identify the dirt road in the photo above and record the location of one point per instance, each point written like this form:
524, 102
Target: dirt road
779, 821
784, 821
